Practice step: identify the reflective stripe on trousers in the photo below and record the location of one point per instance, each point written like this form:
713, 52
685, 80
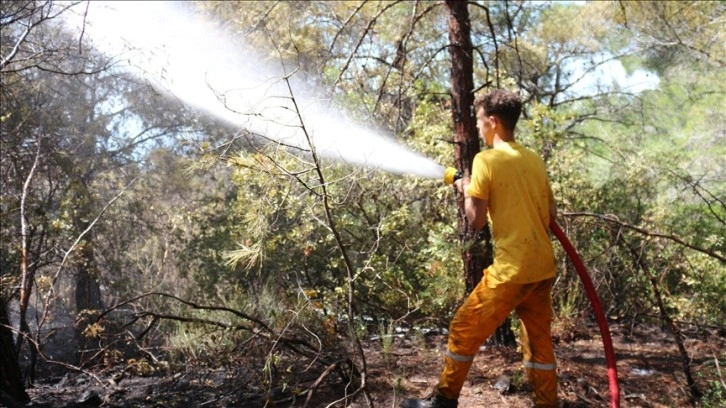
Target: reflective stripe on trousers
459, 358
539, 366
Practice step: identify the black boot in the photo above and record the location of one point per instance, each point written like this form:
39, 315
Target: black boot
433, 401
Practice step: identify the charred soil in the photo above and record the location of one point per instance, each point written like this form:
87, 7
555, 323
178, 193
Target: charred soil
648, 362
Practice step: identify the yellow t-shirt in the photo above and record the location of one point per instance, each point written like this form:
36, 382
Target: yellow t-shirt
514, 181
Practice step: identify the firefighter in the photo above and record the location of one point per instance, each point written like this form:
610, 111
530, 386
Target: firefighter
509, 185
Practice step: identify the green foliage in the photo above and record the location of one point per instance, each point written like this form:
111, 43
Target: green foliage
189, 342
689, 33
714, 395
380, 229
386, 334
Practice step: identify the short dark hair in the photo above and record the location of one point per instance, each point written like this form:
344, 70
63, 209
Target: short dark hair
501, 103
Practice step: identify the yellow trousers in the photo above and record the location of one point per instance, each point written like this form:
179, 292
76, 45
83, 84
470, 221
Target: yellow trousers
484, 310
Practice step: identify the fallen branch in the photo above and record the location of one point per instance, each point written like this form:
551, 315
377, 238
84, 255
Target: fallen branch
186, 302
258, 329
320, 379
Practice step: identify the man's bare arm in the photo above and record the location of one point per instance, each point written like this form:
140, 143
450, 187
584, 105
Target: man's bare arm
476, 211
474, 208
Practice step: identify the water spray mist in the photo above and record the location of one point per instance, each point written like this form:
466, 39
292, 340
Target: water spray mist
191, 58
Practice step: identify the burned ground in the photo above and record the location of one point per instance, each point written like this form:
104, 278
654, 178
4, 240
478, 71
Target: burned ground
649, 368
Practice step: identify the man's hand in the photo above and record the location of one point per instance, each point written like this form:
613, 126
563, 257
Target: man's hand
462, 184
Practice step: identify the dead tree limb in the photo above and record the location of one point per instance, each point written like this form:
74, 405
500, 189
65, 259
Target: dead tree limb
27, 275
612, 219
640, 259
320, 379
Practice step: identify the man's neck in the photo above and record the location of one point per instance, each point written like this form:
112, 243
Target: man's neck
503, 138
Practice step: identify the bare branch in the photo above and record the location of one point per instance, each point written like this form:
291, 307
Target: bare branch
90, 226
266, 331
368, 28
49, 360
27, 276
609, 218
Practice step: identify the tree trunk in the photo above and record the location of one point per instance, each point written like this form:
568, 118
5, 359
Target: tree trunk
477, 247
27, 275
85, 270
88, 293
11, 382
88, 296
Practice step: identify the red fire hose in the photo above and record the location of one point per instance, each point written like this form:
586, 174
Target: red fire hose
599, 315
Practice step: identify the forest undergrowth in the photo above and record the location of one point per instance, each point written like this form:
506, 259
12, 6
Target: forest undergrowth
407, 365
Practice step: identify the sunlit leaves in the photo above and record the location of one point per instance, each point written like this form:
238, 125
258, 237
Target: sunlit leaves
686, 32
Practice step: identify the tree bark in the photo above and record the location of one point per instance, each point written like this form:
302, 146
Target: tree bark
477, 246
27, 275
87, 293
11, 382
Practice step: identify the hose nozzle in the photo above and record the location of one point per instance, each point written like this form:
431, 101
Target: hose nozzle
451, 175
